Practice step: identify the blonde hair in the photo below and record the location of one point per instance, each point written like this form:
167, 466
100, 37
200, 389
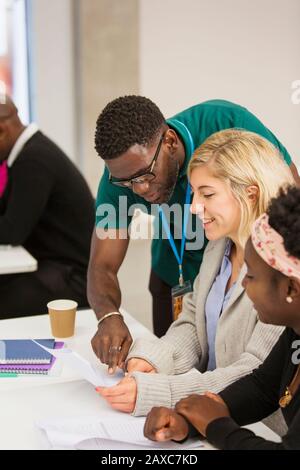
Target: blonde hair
242, 159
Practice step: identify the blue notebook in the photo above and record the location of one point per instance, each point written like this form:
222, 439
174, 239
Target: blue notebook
25, 351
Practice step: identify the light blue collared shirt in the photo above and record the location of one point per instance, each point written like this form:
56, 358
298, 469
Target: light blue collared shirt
216, 302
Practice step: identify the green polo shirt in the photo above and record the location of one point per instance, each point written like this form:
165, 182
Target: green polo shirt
201, 120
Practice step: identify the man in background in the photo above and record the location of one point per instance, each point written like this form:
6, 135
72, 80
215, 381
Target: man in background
47, 207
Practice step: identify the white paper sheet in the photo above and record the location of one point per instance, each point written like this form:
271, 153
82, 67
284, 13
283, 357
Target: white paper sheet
106, 444
97, 377
119, 431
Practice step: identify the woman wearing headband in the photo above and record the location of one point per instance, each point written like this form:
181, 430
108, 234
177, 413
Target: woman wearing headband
217, 338
272, 282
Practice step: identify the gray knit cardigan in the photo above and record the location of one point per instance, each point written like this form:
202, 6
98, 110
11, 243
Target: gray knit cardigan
180, 357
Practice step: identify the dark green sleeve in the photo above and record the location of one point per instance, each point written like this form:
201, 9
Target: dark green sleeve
253, 124
112, 205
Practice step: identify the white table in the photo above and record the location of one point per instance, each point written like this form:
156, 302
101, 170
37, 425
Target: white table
23, 400
14, 260
39, 327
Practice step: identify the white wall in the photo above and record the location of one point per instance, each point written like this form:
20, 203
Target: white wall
189, 51
241, 50
107, 59
54, 72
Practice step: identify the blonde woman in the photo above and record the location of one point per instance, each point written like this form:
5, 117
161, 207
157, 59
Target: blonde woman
217, 338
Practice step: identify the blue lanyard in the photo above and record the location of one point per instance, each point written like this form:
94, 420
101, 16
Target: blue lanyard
185, 218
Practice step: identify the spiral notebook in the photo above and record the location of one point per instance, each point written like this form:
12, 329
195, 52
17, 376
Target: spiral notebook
30, 368
25, 351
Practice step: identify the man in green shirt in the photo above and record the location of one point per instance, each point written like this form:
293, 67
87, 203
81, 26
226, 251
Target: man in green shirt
146, 159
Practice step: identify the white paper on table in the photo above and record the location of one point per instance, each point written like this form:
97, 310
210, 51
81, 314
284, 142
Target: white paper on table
103, 433
106, 444
97, 377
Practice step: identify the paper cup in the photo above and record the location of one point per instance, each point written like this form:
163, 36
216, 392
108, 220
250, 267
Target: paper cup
62, 315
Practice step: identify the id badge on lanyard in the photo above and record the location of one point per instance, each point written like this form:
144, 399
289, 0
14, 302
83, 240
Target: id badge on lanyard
177, 297
183, 287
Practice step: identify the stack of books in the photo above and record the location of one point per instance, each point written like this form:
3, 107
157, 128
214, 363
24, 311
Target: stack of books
23, 356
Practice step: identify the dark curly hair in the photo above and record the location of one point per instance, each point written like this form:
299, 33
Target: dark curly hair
284, 217
124, 122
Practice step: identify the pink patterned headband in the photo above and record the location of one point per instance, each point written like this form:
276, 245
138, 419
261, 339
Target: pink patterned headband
269, 245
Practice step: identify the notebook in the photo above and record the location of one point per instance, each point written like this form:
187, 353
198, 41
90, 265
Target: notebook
30, 368
25, 351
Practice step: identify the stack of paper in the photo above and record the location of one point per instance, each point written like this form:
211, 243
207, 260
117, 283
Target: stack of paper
113, 431
90, 432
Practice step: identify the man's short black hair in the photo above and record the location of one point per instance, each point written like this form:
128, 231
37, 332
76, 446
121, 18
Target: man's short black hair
284, 217
124, 122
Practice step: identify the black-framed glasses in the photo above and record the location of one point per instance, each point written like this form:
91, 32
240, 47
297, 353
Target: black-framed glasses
146, 177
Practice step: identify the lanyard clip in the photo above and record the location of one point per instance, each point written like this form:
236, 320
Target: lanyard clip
180, 275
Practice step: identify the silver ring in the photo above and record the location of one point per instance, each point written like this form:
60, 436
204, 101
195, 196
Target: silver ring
115, 348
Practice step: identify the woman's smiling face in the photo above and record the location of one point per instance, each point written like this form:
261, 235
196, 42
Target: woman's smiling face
215, 204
